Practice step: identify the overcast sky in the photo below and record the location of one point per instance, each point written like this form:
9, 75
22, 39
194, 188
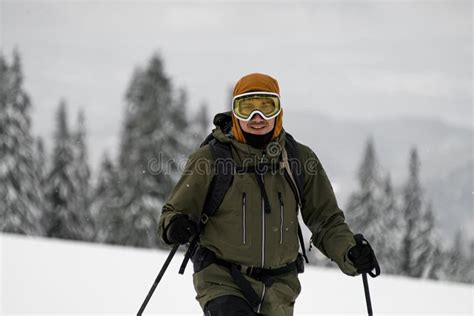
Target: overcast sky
353, 59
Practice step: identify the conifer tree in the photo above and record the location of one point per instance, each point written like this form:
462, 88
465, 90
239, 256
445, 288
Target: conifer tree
411, 214
388, 247
106, 177
418, 243
438, 268
470, 263
459, 262
428, 242
63, 219
105, 206
365, 208
21, 199
153, 137
41, 161
81, 178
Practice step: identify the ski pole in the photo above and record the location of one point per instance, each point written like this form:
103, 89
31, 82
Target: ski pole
367, 294
158, 278
360, 240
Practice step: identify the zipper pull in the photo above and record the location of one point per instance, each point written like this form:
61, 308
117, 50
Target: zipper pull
280, 198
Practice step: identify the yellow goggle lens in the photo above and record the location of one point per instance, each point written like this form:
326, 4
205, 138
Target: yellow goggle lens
267, 105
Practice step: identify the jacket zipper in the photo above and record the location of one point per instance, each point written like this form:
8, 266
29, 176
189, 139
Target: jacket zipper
244, 218
263, 216
263, 228
282, 209
263, 237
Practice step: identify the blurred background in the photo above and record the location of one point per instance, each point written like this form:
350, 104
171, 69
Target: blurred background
94, 91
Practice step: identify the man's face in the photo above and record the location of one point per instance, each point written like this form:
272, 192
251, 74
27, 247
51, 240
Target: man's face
257, 125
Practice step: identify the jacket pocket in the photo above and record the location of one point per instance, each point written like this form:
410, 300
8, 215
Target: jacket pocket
244, 218
282, 217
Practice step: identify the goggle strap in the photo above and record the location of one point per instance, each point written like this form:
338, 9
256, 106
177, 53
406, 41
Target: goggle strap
255, 93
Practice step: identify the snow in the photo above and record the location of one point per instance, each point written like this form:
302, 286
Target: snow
50, 276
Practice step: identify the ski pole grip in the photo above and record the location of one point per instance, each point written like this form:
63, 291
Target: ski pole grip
359, 239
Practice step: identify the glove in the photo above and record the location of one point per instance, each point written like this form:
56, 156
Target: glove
363, 257
181, 229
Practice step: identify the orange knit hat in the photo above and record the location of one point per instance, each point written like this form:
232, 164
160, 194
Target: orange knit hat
256, 82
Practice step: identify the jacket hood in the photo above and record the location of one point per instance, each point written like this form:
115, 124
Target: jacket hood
223, 121
256, 82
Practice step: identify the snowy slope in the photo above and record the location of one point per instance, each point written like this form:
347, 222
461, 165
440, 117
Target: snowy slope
46, 276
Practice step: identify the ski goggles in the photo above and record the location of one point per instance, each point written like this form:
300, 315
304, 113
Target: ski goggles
246, 105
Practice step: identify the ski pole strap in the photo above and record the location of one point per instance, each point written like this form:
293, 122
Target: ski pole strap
360, 240
377, 269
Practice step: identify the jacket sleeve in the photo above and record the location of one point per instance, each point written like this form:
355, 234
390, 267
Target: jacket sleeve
320, 212
189, 194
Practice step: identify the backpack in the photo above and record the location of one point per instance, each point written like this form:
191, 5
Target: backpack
223, 178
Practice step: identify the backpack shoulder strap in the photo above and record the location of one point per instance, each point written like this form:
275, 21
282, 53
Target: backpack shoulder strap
222, 180
292, 161
224, 170
295, 164
207, 140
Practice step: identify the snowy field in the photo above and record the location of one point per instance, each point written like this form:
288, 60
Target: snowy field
45, 276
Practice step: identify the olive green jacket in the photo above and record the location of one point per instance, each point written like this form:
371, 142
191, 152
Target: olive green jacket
240, 231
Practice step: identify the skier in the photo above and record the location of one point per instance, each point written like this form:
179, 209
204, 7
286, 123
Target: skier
247, 257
